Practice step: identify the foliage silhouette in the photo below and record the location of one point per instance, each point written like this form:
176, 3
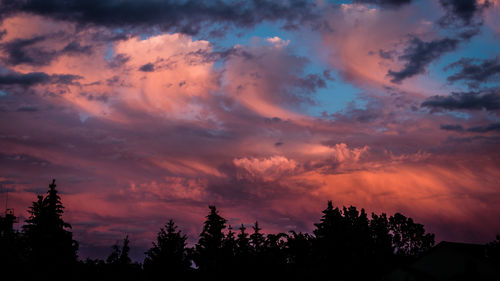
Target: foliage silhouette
409, 238
120, 256
119, 265
346, 244
209, 254
168, 256
50, 244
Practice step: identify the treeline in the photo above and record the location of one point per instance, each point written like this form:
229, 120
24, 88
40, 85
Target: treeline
346, 244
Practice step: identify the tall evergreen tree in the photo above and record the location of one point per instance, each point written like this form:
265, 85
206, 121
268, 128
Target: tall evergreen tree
229, 250
120, 255
168, 256
257, 239
119, 265
51, 244
229, 243
243, 247
209, 254
328, 237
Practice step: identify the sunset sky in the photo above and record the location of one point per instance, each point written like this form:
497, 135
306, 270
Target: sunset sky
149, 110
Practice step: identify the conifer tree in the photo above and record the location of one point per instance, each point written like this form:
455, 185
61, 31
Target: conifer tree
209, 254
257, 239
51, 244
168, 256
120, 255
229, 243
328, 236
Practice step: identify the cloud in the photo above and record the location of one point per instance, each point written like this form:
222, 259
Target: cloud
342, 153
33, 78
148, 67
484, 129
267, 169
270, 81
461, 12
487, 100
419, 54
74, 48
476, 71
493, 127
452, 127
186, 17
278, 42
360, 32
23, 51
386, 3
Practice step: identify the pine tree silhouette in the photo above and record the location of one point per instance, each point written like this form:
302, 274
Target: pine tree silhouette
51, 245
120, 255
229, 252
243, 250
208, 252
328, 239
168, 256
119, 265
257, 239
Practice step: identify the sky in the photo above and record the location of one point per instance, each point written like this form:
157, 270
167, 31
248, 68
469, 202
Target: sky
149, 110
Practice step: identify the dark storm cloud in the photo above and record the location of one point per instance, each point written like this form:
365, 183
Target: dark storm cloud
310, 82
386, 54
493, 127
27, 108
118, 61
386, 3
419, 54
74, 47
24, 51
452, 127
461, 12
181, 16
488, 100
475, 71
148, 67
484, 129
33, 78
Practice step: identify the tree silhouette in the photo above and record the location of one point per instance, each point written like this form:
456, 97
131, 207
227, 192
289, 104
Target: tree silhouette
327, 245
382, 251
229, 251
299, 254
50, 243
257, 239
274, 257
243, 250
209, 255
119, 265
120, 255
409, 238
168, 256
346, 245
